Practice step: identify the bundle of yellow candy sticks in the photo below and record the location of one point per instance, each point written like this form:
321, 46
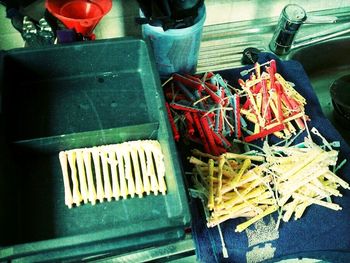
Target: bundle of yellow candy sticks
287, 179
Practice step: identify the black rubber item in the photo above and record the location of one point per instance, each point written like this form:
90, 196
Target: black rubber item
250, 56
340, 93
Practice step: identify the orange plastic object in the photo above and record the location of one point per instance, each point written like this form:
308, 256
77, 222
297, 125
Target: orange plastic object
80, 15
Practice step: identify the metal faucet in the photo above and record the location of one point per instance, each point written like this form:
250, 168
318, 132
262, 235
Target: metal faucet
290, 20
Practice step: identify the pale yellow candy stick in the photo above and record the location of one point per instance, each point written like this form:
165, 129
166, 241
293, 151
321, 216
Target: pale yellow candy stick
317, 190
290, 209
98, 175
258, 99
289, 89
198, 153
237, 212
332, 177
159, 165
257, 158
82, 176
308, 160
250, 116
245, 166
238, 198
211, 184
89, 176
72, 163
251, 221
150, 169
137, 173
106, 181
121, 171
249, 176
67, 191
331, 189
145, 177
241, 174
214, 221
128, 170
196, 161
261, 120
300, 209
113, 164
291, 187
317, 201
219, 192
291, 127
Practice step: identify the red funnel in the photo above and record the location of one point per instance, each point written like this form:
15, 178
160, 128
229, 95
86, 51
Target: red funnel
81, 15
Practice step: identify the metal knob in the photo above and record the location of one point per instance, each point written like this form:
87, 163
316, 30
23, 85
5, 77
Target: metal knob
291, 18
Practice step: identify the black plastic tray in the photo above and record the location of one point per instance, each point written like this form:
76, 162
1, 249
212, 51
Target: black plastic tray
71, 96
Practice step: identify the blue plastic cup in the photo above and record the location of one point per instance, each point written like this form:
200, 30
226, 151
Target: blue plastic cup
176, 50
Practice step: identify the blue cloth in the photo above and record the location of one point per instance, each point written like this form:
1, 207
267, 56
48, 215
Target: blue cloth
321, 233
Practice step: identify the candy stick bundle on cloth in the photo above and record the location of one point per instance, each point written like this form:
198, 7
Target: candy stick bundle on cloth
112, 171
207, 110
271, 104
302, 177
233, 187
289, 178
322, 231
203, 109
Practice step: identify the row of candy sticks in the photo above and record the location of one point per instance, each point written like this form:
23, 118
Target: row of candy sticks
112, 171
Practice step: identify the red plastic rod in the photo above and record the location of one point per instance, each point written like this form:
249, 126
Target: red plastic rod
178, 106
176, 133
237, 117
201, 132
188, 82
189, 122
264, 133
209, 135
265, 108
